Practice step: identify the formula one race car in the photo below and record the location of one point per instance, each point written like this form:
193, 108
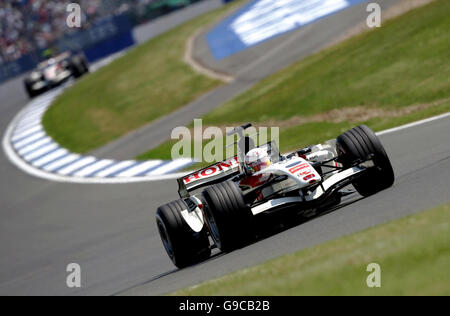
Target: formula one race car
55, 71
262, 181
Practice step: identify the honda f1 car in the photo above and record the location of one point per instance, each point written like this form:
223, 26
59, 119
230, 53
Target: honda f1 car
55, 71
218, 205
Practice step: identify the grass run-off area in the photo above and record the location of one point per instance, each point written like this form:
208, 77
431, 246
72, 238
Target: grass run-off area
383, 78
413, 254
149, 82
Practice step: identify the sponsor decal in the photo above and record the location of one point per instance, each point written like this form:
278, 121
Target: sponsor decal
311, 176
304, 173
296, 169
213, 170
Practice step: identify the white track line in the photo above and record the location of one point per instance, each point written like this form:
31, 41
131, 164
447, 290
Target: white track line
40, 109
31, 118
20, 129
29, 140
140, 168
27, 149
91, 169
38, 173
61, 162
77, 165
26, 133
40, 152
428, 120
119, 166
176, 164
57, 154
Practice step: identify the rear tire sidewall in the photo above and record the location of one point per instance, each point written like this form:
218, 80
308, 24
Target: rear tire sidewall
85, 66
359, 143
212, 227
165, 237
78, 67
31, 94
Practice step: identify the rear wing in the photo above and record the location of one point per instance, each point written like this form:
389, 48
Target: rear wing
210, 175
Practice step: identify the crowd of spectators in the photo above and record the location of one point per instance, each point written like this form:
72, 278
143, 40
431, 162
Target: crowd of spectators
27, 25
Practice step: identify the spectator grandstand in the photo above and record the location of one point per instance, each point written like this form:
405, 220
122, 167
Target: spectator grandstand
30, 25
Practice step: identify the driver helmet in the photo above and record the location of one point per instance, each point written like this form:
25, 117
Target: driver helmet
257, 160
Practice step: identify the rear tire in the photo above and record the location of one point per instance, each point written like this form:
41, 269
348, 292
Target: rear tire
30, 92
228, 218
359, 143
85, 65
79, 66
184, 246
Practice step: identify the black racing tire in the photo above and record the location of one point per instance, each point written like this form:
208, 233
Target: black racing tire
30, 92
228, 217
85, 65
359, 143
78, 66
184, 246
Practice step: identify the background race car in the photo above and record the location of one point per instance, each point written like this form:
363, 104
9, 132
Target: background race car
54, 72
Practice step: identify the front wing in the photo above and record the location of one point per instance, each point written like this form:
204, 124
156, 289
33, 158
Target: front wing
319, 195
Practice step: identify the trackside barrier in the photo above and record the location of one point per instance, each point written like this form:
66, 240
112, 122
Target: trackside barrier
105, 38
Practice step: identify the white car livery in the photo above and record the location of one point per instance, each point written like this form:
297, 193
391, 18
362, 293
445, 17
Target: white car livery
219, 204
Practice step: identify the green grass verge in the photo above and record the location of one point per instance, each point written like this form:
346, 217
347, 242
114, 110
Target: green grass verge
413, 254
312, 133
405, 62
149, 82
399, 70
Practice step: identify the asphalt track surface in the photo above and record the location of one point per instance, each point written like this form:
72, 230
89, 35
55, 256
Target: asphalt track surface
109, 229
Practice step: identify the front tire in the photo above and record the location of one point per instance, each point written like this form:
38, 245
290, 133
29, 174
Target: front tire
184, 246
359, 143
228, 217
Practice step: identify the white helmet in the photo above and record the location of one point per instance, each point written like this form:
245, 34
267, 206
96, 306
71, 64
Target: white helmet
257, 160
